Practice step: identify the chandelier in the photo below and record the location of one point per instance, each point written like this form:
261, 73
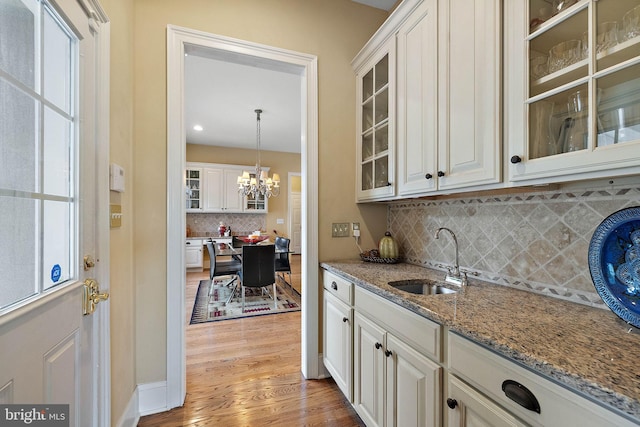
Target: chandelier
259, 183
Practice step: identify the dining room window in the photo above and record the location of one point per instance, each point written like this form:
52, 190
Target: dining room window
38, 150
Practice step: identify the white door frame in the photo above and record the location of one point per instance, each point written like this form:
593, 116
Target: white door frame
177, 37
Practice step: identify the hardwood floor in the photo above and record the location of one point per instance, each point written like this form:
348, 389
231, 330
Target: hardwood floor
246, 372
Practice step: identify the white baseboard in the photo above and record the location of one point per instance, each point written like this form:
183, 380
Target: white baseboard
131, 416
152, 398
322, 371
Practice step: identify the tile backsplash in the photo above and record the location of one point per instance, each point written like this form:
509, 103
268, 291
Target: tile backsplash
206, 224
534, 241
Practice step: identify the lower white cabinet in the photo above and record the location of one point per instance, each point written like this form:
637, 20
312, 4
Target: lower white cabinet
394, 384
470, 408
193, 253
338, 342
493, 382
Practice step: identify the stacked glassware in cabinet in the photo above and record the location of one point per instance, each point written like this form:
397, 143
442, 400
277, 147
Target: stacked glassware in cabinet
584, 75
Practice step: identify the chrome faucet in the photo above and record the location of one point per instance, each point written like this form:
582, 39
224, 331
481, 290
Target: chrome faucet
455, 277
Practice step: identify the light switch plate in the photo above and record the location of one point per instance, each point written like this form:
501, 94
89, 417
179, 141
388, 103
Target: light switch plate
115, 214
340, 229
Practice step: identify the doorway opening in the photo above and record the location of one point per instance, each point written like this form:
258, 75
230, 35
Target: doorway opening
177, 40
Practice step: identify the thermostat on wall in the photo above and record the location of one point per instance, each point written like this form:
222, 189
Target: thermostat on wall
116, 178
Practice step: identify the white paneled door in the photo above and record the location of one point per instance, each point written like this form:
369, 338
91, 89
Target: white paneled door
52, 152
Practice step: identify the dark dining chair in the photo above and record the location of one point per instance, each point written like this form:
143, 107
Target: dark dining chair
258, 269
223, 268
283, 265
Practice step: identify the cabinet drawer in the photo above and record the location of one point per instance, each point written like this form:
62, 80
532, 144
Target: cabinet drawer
338, 286
421, 333
487, 372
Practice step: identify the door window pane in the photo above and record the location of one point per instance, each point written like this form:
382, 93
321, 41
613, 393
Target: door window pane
18, 251
56, 254
56, 156
18, 139
57, 63
20, 41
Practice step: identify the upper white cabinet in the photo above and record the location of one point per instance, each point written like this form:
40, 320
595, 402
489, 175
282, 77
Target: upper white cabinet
218, 190
193, 189
449, 96
375, 108
573, 89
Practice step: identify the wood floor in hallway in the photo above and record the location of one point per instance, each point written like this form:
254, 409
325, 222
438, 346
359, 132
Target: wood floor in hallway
246, 372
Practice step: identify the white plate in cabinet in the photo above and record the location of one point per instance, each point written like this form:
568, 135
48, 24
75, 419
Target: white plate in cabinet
533, 399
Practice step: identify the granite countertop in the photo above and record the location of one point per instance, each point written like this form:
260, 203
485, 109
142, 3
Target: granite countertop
588, 349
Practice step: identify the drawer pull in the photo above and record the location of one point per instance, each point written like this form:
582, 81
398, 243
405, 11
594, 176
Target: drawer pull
452, 403
334, 286
378, 345
345, 319
521, 395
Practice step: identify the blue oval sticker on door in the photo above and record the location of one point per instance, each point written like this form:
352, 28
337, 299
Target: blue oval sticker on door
56, 271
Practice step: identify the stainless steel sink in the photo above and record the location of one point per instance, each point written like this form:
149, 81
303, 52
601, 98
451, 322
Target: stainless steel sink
421, 287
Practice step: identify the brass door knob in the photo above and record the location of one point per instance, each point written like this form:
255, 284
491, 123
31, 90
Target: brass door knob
92, 296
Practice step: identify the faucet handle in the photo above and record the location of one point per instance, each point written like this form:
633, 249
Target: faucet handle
446, 267
473, 273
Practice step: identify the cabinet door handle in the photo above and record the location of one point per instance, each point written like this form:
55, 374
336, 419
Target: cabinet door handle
452, 403
521, 395
345, 319
515, 159
378, 346
388, 353
428, 176
440, 174
334, 286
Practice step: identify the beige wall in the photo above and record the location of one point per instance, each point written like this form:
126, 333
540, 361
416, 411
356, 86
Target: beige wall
280, 163
334, 30
122, 290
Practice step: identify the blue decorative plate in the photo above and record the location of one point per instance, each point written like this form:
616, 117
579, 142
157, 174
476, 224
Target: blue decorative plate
614, 262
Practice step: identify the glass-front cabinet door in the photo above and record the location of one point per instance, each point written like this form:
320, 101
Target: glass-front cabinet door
573, 70
193, 189
375, 147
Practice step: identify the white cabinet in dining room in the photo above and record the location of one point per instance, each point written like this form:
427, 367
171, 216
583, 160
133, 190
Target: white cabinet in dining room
338, 331
573, 89
397, 381
193, 189
193, 253
449, 96
221, 190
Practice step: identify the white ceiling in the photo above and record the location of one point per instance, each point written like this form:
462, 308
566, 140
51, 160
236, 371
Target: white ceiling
223, 89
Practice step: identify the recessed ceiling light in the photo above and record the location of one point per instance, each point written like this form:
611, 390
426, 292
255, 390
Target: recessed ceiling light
198, 128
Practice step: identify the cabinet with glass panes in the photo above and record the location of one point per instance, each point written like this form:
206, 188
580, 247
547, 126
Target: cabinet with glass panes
375, 147
193, 189
573, 89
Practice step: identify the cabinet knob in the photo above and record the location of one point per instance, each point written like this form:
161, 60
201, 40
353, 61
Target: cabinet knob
334, 286
452, 403
378, 346
388, 353
345, 319
440, 174
428, 176
516, 159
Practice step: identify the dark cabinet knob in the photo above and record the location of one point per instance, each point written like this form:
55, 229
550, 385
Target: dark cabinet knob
388, 353
345, 319
378, 345
334, 286
440, 174
452, 403
428, 176
516, 159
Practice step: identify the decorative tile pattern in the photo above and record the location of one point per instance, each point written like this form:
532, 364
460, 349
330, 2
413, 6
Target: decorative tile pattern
532, 241
206, 224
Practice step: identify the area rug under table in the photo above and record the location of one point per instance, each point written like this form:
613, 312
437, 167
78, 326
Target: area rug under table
211, 301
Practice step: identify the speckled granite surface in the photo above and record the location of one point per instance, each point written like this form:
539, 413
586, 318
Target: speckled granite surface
590, 350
